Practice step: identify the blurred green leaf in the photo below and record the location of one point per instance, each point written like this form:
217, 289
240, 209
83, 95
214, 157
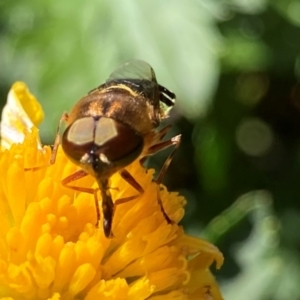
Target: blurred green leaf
268, 269
211, 157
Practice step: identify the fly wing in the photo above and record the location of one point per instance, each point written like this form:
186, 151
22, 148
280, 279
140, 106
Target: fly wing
133, 69
140, 77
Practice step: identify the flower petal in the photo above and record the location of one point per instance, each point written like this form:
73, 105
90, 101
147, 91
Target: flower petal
21, 112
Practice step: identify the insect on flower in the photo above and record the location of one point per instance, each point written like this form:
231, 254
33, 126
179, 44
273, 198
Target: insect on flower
114, 125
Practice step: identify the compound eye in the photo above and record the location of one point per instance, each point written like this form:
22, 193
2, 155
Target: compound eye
118, 142
78, 138
81, 132
102, 140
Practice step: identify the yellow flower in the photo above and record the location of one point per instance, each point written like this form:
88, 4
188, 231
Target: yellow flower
50, 248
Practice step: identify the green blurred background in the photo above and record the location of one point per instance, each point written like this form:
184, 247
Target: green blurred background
235, 67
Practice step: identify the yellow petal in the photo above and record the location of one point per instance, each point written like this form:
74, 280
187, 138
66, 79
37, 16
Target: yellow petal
21, 113
81, 278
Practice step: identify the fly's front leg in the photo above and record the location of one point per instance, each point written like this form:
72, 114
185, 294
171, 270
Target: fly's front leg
130, 179
108, 206
63, 118
75, 176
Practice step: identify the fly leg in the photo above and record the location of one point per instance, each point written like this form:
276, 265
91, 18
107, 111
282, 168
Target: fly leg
63, 118
75, 176
108, 206
175, 141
